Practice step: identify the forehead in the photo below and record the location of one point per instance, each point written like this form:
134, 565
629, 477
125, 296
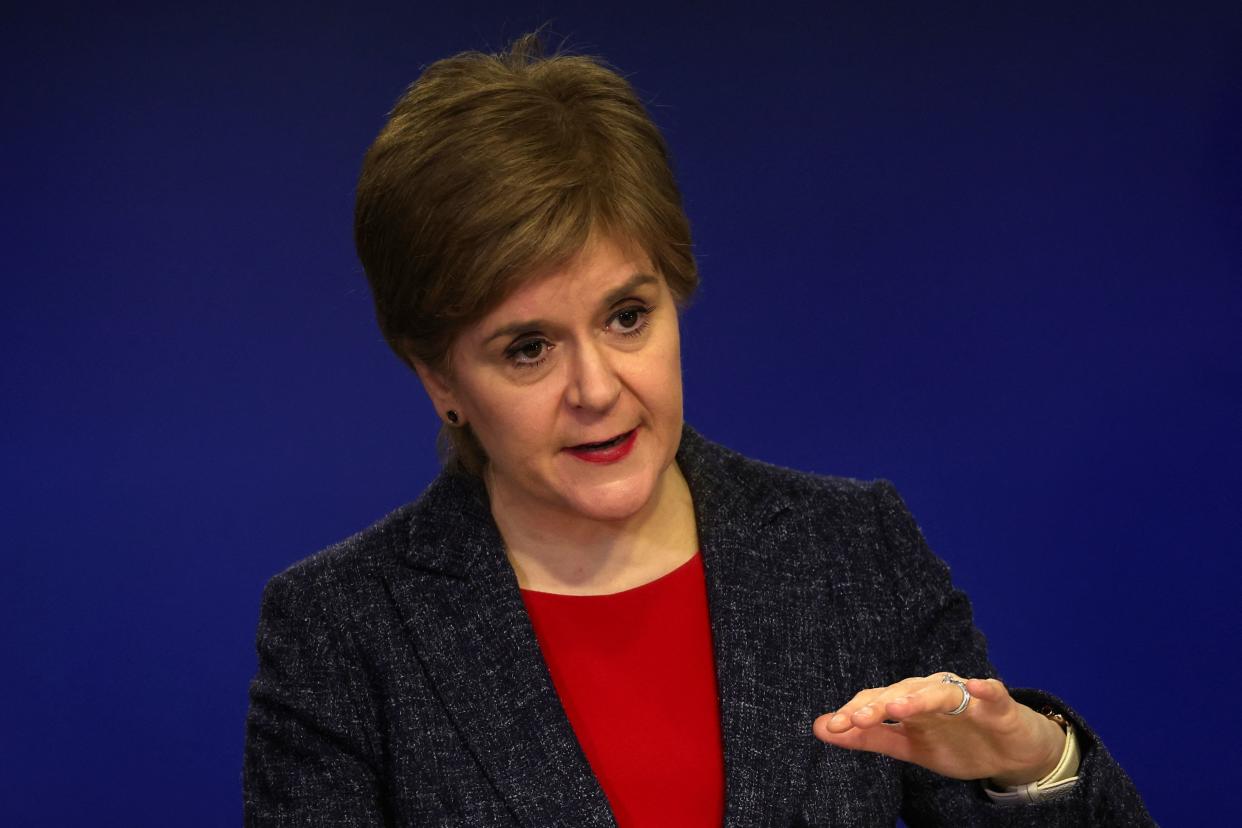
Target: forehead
585, 281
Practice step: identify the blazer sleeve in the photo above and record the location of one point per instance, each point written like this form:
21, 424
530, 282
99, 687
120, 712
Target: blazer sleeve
942, 627
309, 756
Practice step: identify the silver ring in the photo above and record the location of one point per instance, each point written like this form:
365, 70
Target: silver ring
949, 678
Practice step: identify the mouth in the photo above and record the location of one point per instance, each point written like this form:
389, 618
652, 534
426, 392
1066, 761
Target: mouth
615, 441
608, 451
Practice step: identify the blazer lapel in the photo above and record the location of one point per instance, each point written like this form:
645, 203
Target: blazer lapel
767, 637
469, 627
461, 603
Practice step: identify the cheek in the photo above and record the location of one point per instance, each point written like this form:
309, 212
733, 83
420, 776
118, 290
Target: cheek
671, 370
657, 383
514, 422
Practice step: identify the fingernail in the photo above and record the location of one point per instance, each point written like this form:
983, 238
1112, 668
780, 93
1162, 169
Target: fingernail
864, 711
839, 719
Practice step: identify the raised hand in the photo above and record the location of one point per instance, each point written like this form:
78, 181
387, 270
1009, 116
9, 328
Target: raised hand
993, 737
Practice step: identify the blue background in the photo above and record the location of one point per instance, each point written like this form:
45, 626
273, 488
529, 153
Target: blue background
991, 254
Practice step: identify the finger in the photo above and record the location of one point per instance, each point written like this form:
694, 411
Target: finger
880, 696
992, 702
989, 691
954, 696
875, 711
868, 708
934, 696
842, 719
891, 741
917, 702
830, 724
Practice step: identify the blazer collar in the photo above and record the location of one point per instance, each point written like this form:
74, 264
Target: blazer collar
461, 602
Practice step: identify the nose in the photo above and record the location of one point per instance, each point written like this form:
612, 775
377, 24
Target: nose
593, 382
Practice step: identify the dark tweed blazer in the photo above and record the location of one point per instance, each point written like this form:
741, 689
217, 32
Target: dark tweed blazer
400, 682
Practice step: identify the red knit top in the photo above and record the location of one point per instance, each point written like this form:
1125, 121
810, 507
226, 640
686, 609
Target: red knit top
636, 675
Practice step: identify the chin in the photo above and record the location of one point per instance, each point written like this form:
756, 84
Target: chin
615, 501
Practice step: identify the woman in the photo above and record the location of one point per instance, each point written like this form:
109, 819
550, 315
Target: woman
595, 615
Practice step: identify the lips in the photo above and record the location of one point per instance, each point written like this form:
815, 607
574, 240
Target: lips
608, 451
606, 444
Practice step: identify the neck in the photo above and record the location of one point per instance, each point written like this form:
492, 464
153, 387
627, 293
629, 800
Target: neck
570, 554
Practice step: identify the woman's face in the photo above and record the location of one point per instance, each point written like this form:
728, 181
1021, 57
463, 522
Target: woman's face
573, 387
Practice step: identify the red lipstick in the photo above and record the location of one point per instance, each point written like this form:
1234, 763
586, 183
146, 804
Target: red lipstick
607, 452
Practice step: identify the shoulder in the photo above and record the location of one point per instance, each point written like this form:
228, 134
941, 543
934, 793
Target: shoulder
808, 524
733, 476
445, 531
365, 550
324, 586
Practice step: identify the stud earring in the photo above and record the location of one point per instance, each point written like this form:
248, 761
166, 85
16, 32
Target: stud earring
452, 416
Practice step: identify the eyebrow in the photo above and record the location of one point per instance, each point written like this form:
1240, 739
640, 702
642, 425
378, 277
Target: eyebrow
614, 296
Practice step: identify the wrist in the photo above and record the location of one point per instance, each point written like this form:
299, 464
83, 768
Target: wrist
1054, 733
1058, 783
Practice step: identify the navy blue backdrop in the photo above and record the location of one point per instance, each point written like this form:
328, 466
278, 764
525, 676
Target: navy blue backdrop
992, 255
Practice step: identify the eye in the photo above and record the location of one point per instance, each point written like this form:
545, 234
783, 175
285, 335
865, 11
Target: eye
530, 350
529, 353
630, 321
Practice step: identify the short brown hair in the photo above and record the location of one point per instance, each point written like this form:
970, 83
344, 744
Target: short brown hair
494, 168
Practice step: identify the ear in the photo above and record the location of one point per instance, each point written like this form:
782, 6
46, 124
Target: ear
435, 383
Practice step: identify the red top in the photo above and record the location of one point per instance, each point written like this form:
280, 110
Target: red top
636, 675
